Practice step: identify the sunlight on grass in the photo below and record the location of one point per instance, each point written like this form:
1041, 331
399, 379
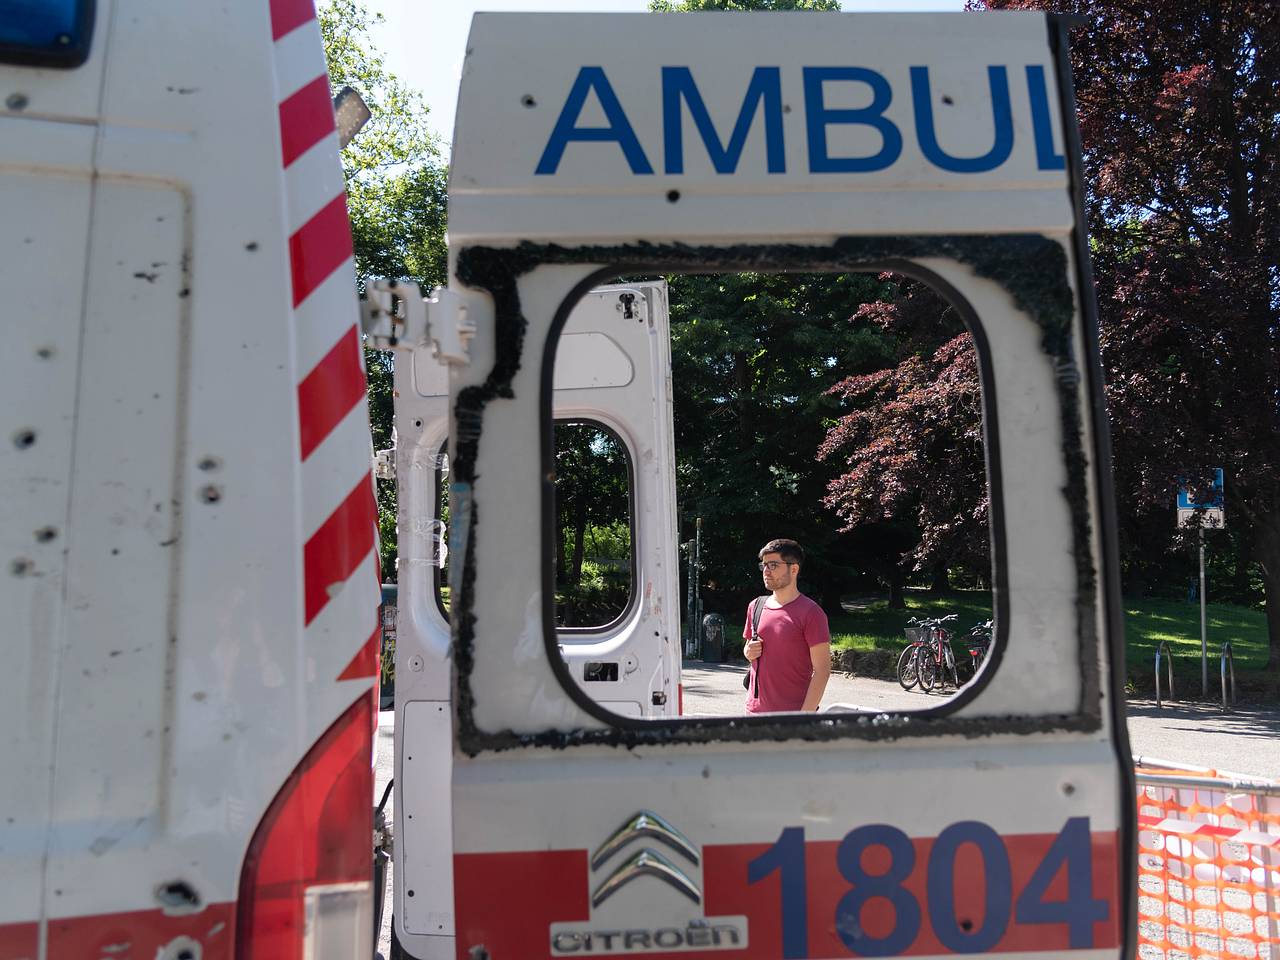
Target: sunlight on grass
872, 625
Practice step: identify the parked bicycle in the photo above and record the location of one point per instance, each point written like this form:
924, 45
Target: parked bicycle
978, 644
928, 657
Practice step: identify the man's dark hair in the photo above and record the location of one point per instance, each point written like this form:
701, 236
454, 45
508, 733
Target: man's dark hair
788, 550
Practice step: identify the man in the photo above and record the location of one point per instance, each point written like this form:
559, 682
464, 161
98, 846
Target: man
791, 660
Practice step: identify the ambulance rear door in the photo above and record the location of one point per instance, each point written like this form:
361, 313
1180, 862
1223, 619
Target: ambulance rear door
942, 147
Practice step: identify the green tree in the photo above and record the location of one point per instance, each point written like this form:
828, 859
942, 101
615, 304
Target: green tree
1180, 126
754, 358
395, 180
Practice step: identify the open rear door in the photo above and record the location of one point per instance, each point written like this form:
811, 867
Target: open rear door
941, 147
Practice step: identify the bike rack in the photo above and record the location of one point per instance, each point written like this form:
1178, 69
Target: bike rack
1168, 654
1228, 660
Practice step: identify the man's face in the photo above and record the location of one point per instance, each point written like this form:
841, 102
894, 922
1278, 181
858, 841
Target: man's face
777, 573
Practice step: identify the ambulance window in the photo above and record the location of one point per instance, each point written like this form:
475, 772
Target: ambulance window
594, 555
845, 412
593, 545
46, 33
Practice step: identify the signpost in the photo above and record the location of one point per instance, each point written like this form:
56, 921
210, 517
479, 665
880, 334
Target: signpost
1202, 508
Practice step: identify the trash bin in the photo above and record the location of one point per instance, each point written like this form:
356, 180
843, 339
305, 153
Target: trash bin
713, 638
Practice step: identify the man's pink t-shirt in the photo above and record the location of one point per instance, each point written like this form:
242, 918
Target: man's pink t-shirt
784, 665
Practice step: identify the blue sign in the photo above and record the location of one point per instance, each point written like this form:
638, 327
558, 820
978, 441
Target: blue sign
1210, 499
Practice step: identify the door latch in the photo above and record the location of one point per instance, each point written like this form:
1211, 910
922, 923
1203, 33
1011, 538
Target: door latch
395, 316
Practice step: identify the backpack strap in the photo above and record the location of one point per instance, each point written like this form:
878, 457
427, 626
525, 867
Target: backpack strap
757, 611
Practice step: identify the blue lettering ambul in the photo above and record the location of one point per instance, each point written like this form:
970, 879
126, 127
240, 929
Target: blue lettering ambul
998, 78
818, 117
567, 130
1047, 158
765, 87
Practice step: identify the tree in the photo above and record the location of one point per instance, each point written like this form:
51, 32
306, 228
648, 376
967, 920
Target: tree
753, 359
1180, 122
912, 446
395, 181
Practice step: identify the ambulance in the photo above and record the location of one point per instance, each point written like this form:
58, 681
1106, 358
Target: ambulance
191, 585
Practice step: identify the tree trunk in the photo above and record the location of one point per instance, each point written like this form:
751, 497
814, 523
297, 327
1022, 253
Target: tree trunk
940, 581
897, 599
1269, 558
561, 570
579, 540
742, 380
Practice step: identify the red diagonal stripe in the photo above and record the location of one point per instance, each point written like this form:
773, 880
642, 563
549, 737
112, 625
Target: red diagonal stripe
338, 547
329, 391
288, 15
305, 119
320, 246
365, 662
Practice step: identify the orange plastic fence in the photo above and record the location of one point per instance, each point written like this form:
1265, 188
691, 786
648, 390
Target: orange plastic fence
1208, 866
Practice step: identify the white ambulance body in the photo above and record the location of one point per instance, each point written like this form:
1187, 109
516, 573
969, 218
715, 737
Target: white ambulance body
190, 582
536, 820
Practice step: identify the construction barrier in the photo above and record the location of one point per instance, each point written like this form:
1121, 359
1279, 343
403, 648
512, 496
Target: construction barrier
1208, 864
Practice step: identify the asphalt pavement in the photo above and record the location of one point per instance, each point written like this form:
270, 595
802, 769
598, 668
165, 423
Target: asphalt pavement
1245, 740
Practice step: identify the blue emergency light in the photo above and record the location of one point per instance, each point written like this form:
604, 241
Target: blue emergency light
46, 33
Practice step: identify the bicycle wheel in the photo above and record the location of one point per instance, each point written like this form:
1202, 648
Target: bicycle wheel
927, 666
908, 674
951, 665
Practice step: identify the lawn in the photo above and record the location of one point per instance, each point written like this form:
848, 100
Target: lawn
869, 625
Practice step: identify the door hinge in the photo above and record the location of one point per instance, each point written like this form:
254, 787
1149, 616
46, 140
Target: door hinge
384, 464
659, 698
395, 316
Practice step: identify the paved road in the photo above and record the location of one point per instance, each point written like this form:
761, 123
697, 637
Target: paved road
1244, 741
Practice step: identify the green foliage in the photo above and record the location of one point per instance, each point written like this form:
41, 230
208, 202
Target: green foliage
396, 194
753, 359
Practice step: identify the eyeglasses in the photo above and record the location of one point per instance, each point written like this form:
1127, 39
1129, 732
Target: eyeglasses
772, 565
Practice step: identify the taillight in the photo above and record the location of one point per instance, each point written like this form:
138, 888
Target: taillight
306, 890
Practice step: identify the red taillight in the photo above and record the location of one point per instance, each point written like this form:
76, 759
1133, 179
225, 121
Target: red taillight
308, 872
680, 699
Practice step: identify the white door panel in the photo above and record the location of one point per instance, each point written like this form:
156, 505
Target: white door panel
998, 823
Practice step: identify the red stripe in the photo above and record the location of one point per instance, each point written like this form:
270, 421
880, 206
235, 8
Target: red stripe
365, 662
288, 15
305, 119
338, 547
320, 246
330, 391
146, 933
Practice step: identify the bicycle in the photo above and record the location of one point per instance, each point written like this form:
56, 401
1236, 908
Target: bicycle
929, 654
978, 643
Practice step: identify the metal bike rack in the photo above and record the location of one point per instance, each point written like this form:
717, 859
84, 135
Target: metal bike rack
1168, 655
1228, 661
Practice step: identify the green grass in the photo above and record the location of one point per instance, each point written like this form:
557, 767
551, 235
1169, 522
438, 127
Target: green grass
875, 626
1147, 622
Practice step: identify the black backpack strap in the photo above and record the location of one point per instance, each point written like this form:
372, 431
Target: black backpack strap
757, 611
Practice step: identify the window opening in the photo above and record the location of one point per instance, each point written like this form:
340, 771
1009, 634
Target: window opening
594, 526
594, 554
845, 412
